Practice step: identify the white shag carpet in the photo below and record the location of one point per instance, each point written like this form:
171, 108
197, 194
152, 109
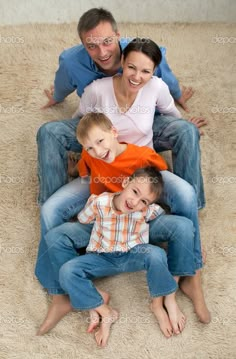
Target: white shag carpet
29, 58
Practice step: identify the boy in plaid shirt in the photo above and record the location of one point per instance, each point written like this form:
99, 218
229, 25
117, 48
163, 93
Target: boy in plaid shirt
119, 243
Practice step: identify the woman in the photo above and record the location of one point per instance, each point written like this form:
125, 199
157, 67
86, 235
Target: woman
129, 100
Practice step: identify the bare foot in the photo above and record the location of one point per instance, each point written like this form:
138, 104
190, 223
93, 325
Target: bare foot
59, 307
94, 317
177, 318
191, 286
163, 319
103, 332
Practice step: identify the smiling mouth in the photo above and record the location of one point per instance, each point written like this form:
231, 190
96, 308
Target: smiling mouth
133, 83
105, 59
128, 206
105, 156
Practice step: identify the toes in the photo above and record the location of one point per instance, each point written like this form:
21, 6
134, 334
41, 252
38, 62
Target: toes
94, 321
92, 327
169, 332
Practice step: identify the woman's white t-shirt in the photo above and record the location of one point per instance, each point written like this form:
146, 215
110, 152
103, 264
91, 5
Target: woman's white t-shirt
134, 125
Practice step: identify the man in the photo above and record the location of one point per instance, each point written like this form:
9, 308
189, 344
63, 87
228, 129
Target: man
99, 56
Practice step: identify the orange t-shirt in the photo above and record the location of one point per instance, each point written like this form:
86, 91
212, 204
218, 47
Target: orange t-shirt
108, 177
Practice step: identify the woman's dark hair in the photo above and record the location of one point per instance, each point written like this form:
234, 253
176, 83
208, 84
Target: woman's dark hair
147, 47
92, 18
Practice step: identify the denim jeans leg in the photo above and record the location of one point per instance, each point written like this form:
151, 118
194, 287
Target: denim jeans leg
76, 275
153, 260
181, 198
182, 137
76, 278
54, 139
179, 233
62, 244
59, 208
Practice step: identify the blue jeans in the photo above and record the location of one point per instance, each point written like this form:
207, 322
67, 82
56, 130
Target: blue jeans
76, 275
180, 232
169, 133
64, 241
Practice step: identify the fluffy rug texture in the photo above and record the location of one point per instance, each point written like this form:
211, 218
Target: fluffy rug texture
199, 58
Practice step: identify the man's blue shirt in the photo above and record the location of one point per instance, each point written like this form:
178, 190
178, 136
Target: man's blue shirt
77, 70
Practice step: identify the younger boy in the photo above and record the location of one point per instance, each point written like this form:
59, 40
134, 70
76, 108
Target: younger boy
118, 244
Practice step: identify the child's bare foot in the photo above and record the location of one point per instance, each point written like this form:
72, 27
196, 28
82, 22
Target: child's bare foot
94, 317
191, 286
59, 307
177, 318
162, 318
107, 320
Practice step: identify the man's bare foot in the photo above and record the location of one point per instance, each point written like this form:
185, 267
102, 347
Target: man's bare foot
103, 332
59, 307
94, 317
191, 286
162, 318
177, 318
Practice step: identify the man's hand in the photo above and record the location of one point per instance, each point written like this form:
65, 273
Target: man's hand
187, 93
51, 101
198, 122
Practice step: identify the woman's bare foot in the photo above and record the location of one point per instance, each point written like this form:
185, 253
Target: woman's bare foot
162, 317
177, 318
94, 317
191, 286
109, 316
59, 307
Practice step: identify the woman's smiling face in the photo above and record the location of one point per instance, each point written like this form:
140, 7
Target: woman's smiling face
137, 70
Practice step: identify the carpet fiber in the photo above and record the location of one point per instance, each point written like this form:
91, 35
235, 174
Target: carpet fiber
200, 58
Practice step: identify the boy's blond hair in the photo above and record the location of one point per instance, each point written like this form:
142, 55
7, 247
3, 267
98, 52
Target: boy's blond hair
90, 120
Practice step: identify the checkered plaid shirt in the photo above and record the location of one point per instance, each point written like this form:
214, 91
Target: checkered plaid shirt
114, 231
